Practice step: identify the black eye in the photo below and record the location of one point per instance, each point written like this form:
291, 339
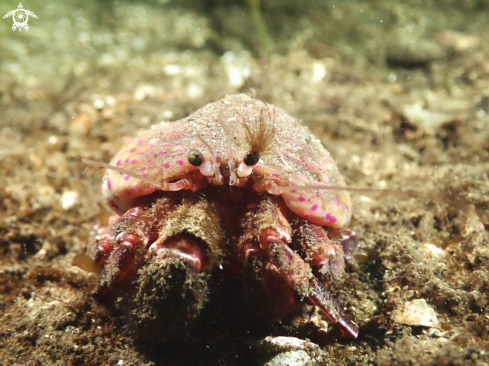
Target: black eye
195, 158
252, 158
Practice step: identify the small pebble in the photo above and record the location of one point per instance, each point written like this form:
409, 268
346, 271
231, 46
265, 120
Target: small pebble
108, 113
69, 199
81, 124
416, 312
99, 104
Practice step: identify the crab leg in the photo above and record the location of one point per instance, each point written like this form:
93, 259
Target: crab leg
273, 229
116, 246
324, 250
118, 262
322, 298
300, 277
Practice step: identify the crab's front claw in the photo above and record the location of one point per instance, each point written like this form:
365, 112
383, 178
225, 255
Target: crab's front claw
170, 290
299, 276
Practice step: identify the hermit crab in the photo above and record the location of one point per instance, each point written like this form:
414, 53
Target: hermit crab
237, 187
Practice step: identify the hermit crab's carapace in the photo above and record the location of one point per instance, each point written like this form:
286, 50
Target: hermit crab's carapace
225, 135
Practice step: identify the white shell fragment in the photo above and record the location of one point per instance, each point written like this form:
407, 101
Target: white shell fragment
434, 250
286, 351
297, 357
69, 199
287, 343
416, 312
423, 117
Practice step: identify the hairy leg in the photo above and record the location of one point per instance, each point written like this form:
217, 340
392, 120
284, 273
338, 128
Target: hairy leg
267, 233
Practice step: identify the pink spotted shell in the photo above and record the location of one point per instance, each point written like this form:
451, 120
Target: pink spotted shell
297, 159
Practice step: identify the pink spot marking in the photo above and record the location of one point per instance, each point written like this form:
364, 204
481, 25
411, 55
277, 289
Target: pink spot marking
330, 217
118, 162
275, 175
181, 154
142, 153
134, 161
294, 190
258, 166
143, 168
109, 185
179, 162
141, 141
318, 195
166, 165
113, 205
164, 145
338, 203
151, 146
162, 153
126, 178
128, 192
145, 175
302, 199
347, 208
127, 161
308, 200
133, 150
218, 158
150, 160
314, 207
117, 197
